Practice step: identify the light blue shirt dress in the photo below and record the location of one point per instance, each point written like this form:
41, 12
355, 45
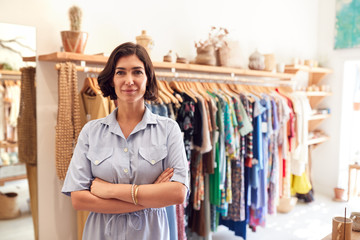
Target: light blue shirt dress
102, 151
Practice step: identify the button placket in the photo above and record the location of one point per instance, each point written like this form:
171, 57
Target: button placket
126, 151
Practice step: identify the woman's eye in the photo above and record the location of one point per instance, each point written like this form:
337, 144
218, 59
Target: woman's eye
120, 73
138, 72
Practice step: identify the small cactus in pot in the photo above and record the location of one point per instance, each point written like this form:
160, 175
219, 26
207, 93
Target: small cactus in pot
74, 40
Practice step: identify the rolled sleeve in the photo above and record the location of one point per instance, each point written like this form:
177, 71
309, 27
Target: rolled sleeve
79, 176
176, 157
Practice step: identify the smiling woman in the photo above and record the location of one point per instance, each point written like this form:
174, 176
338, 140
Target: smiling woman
116, 172
130, 81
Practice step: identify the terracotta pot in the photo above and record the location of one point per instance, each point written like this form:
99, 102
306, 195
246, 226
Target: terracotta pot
74, 41
339, 193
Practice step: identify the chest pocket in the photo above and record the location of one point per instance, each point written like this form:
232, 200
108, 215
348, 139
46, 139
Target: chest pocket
99, 162
153, 155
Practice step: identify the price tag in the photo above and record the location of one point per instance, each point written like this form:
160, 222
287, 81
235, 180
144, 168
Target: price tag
264, 127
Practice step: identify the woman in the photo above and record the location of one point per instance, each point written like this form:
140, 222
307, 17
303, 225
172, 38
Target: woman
128, 166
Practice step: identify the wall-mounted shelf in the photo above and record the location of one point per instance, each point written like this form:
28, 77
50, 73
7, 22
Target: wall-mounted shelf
5, 144
315, 120
316, 74
10, 72
316, 97
29, 59
318, 94
318, 140
100, 59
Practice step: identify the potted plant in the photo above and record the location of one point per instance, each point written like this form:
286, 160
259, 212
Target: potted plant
74, 40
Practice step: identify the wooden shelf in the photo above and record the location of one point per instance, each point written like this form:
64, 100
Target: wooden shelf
316, 74
316, 97
319, 117
100, 59
318, 94
316, 120
296, 68
68, 56
4, 144
318, 140
29, 59
10, 72
8, 179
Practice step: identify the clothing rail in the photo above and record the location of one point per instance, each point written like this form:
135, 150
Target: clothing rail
193, 77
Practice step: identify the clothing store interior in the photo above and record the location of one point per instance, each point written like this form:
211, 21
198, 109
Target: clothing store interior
265, 93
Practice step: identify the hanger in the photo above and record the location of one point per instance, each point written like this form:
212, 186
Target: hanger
89, 88
188, 91
201, 90
180, 87
163, 89
164, 98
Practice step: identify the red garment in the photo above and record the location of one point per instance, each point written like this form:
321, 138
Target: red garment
291, 122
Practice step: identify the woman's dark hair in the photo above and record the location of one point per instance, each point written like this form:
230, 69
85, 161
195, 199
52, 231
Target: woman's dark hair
106, 77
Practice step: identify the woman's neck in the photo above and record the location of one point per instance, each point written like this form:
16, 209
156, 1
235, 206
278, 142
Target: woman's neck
130, 112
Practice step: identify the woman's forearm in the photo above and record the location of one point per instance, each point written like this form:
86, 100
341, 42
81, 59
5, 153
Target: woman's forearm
161, 195
85, 201
148, 195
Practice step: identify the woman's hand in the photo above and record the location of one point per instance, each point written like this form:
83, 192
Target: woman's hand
101, 188
165, 176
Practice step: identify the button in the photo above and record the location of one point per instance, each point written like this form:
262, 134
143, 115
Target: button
125, 149
153, 162
126, 170
96, 162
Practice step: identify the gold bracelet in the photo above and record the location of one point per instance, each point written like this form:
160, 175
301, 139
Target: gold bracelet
132, 193
136, 191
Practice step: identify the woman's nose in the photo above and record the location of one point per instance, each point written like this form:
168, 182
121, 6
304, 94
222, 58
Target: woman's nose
129, 80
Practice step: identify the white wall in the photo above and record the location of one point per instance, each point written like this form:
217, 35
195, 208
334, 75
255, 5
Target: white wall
286, 27
331, 159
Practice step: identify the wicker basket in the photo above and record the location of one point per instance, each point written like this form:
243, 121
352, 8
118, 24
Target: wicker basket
8, 206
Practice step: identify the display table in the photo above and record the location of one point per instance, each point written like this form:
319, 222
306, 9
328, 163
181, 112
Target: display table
354, 236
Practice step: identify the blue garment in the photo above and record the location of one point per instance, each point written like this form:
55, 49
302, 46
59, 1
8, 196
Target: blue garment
102, 151
170, 210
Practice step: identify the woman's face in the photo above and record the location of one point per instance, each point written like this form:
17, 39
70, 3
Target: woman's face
130, 80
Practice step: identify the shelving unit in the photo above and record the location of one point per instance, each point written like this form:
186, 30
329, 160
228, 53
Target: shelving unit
316, 74
10, 75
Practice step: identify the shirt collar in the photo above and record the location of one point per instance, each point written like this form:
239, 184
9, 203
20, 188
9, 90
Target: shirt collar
110, 120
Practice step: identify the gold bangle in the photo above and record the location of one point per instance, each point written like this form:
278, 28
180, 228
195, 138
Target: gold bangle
136, 191
132, 193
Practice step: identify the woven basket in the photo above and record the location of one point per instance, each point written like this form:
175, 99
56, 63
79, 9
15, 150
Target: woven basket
27, 141
8, 206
